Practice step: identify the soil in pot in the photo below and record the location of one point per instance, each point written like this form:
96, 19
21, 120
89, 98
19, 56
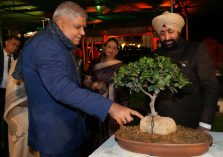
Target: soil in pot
183, 135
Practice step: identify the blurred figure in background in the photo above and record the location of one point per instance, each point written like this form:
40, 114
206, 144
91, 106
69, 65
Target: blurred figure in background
7, 55
16, 116
195, 105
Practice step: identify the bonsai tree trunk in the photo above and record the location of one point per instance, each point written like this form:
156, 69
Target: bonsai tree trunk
154, 123
152, 101
152, 105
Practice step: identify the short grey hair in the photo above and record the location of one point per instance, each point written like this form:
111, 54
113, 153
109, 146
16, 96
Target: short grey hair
70, 9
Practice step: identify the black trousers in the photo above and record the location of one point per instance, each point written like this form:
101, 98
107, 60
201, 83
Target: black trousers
2, 102
3, 126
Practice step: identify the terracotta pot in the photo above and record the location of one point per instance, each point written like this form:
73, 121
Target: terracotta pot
164, 150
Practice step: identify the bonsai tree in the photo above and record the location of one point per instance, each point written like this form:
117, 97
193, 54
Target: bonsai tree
151, 75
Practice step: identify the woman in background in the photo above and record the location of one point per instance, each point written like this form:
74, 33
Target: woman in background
99, 78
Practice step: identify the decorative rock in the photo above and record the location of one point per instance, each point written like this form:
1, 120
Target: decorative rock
161, 125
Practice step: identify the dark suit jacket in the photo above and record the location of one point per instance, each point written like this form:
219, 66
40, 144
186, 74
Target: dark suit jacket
196, 102
56, 101
2, 63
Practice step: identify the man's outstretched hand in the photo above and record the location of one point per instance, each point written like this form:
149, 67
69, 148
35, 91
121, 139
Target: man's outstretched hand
122, 114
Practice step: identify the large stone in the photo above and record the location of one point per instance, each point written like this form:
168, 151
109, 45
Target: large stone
161, 125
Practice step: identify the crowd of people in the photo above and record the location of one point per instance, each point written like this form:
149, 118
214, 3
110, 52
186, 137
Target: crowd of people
52, 111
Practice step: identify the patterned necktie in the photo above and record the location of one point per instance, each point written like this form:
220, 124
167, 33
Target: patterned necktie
9, 61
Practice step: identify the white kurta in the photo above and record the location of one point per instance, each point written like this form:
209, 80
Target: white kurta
16, 116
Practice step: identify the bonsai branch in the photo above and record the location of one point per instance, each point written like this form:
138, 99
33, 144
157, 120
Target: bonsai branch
152, 101
148, 94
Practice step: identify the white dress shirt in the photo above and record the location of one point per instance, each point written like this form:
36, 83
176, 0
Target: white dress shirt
5, 71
